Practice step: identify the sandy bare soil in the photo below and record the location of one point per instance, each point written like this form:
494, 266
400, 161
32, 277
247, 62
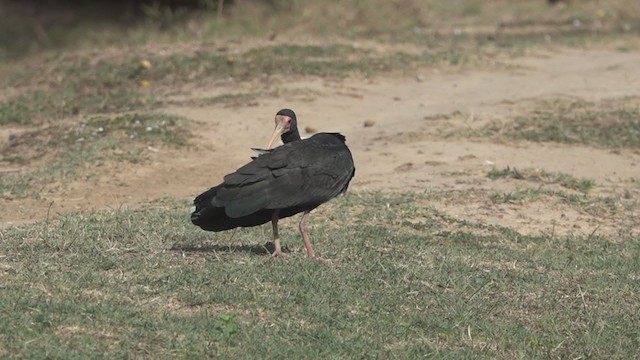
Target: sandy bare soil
404, 148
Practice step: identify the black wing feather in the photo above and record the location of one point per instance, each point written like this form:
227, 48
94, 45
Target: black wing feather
297, 176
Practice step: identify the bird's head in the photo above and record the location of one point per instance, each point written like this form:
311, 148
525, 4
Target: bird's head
286, 123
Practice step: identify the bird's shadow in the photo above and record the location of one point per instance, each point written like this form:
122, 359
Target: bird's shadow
265, 249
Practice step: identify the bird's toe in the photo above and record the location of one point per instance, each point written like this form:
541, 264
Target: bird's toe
278, 253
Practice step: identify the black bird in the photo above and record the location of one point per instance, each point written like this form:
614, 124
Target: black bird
293, 178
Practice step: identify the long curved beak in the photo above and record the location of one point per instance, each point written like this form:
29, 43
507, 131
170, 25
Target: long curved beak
278, 131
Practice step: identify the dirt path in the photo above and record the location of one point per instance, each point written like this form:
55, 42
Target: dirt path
404, 148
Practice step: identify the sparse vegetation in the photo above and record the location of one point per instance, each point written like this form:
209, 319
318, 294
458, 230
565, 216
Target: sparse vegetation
595, 205
60, 150
469, 24
149, 128
135, 83
612, 124
92, 82
542, 176
77, 87
107, 283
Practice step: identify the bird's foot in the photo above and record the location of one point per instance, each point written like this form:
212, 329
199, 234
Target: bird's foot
278, 253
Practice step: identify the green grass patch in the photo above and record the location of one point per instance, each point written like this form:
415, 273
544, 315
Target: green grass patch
148, 283
310, 60
149, 128
77, 86
536, 175
611, 124
613, 206
22, 109
93, 81
62, 167
426, 22
80, 85
225, 99
62, 150
327, 60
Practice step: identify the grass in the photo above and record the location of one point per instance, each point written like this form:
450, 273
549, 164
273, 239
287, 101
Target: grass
134, 82
149, 128
105, 76
60, 151
613, 206
287, 59
542, 176
66, 166
77, 87
147, 283
427, 22
610, 124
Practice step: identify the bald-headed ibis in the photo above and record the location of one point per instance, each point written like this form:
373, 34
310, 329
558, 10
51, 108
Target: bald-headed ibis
296, 177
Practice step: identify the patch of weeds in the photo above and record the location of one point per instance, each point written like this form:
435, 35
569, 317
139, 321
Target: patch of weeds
63, 149
516, 196
305, 60
36, 144
226, 99
594, 205
144, 129
612, 124
14, 185
227, 326
291, 59
520, 195
62, 165
537, 175
24, 108
149, 128
77, 86
567, 181
507, 172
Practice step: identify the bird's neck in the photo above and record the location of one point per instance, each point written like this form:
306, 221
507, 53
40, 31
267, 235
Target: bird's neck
290, 136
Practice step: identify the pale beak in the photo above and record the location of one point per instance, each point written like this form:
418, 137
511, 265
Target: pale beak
281, 124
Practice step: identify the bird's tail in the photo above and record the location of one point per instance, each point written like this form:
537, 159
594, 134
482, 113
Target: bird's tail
214, 218
207, 216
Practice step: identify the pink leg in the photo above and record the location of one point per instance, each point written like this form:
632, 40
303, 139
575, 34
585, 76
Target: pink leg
304, 222
276, 237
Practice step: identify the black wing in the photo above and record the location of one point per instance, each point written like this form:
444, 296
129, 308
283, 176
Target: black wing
301, 174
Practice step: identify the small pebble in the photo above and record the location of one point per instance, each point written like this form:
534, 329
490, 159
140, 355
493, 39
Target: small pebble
369, 123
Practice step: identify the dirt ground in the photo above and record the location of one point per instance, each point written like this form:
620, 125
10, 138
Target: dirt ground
403, 149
